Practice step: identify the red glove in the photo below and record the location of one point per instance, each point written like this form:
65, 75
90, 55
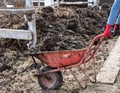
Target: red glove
107, 31
116, 27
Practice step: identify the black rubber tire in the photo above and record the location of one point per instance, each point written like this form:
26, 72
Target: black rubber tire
57, 83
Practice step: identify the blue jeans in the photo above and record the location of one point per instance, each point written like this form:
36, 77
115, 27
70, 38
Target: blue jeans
114, 13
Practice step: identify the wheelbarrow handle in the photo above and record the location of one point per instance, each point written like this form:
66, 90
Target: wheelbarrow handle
88, 57
100, 36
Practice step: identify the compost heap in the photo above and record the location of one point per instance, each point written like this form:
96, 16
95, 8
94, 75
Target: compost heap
64, 28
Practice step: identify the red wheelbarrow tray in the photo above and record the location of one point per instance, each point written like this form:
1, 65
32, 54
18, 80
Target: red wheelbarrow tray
68, 57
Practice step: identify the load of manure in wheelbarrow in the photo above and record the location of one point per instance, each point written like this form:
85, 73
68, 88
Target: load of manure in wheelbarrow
64, 28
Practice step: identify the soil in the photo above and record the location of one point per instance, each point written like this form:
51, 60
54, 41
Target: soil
64, 28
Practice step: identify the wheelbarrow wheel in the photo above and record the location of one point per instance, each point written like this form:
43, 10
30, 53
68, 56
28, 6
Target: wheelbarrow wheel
50, 81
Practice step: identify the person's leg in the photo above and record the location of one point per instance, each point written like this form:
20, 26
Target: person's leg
117, 26
118, 20
114, 12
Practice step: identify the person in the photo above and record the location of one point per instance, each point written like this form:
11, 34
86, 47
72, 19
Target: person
113, 19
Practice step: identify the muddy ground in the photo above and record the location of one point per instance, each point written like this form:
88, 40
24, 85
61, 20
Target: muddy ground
60, 29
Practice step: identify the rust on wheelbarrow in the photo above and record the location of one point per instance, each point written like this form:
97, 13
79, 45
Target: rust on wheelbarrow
61, 58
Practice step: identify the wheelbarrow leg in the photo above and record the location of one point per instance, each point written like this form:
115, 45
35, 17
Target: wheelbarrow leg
94, 67
83, 87
36, 65
84, 71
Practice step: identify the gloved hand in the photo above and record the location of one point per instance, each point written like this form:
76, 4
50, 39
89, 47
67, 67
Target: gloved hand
107, 31
116, 29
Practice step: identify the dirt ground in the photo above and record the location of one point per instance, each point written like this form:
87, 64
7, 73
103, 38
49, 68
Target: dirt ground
64, 28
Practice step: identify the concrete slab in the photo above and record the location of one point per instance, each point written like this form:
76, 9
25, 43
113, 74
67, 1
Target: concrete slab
111, 67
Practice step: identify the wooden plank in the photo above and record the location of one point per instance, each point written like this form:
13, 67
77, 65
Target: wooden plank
15, 34
108, 73
18, 11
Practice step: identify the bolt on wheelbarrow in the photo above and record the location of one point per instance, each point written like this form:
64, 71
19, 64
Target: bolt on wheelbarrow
49, 74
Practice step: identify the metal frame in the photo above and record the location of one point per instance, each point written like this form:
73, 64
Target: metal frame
32, 25
29, 15
91, 3
95, 3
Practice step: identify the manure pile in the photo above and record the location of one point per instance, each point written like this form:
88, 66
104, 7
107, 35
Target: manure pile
64, 28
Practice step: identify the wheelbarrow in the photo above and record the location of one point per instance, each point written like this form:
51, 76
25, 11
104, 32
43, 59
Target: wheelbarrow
49, 74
